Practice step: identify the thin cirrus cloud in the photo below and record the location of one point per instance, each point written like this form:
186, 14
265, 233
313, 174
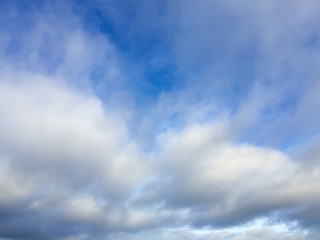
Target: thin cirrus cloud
165, 120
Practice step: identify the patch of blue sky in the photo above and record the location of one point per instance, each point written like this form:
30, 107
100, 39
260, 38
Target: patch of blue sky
139, 43
19, 21
254, 225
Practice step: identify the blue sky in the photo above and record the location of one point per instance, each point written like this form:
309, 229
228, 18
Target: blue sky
159, 119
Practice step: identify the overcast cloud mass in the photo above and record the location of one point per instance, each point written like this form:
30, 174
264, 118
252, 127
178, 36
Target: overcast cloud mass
165, 120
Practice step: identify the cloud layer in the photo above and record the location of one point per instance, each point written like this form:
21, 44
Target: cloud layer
165, 120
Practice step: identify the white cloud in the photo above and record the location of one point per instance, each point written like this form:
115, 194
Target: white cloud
67, 141
222, 183
83, 160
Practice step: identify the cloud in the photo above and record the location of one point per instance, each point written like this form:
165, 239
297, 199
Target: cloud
165, 120
13, 186
221, 183
88, 172
69, 145
50, 39
248, 59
